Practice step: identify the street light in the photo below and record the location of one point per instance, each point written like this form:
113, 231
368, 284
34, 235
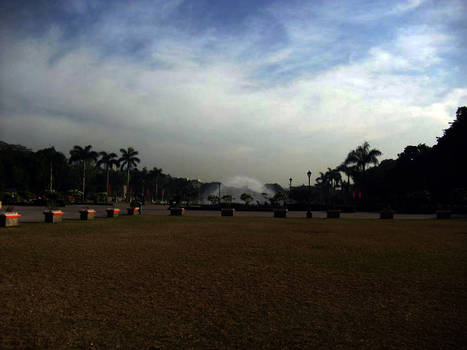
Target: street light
290, 188
308, 213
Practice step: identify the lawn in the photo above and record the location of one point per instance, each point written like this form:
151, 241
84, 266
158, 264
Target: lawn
155, 282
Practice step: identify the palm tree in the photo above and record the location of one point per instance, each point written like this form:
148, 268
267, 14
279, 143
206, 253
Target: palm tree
83, 155
362, 156
349, 171
128, 160
108, 160
334, 177
323, 180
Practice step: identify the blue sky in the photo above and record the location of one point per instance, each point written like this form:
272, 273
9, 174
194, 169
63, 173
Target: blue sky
216, 89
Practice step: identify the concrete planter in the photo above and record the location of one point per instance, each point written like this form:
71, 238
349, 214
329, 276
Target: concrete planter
53, 216
443, 214
177, 211
386, 214
112, 212
87, 214
9, 219
227, 212
132, 211
280, 213
333, 214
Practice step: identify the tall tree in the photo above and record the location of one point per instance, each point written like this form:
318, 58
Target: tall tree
108, 160
52, 160
323, 180
334, 177
363, 156
349, 171
128, 160
84, 156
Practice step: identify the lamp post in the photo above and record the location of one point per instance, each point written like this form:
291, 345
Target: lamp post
308, 213
290, 188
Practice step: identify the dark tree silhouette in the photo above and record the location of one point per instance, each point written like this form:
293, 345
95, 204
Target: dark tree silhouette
51, 159
246, 197
108, 160
128, 160
349, 171
84, 156
334, 177
154, 176
363, 156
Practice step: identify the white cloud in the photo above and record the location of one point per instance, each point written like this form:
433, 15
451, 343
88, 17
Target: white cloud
197, 114
407, 5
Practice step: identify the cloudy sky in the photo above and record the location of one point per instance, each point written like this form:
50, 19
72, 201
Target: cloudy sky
214, 89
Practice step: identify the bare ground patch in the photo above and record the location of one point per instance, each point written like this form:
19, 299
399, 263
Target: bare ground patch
194, 282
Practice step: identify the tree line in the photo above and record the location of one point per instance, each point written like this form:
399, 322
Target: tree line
421, 178
28, 176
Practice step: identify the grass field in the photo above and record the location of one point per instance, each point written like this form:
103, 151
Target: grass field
191, 282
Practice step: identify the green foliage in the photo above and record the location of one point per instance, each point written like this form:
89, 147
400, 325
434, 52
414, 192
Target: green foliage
361, 157
84, 156
213, 199
277, 198
227, 199
128, 160
246, 197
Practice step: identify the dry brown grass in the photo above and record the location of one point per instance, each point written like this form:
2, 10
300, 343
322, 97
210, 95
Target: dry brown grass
186, 282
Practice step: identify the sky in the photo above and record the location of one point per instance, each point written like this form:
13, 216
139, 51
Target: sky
217, 89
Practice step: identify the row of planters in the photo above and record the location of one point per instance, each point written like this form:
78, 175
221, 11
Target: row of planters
11, 218
335, 214
330, 214
176, 211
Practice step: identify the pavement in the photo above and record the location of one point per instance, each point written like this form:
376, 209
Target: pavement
71, 212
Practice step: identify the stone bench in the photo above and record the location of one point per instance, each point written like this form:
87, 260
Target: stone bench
132, 211
280, 213
112, 212
53, 216
87, 214
177, 211
9, 219
227, 212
